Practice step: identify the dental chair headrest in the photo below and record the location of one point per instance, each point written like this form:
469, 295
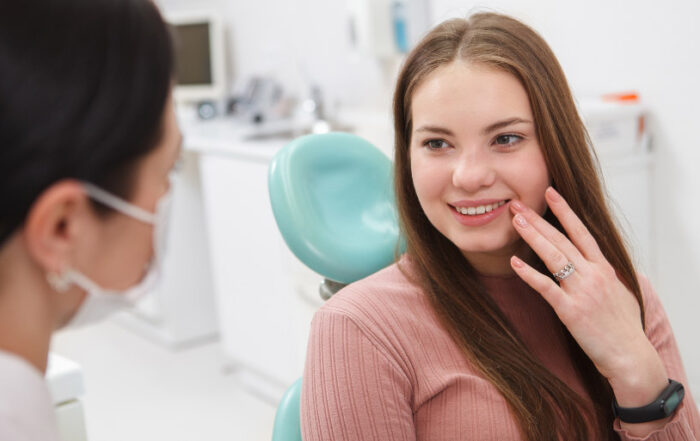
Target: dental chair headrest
333, 200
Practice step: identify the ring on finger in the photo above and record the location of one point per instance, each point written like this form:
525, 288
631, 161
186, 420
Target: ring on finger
564, 272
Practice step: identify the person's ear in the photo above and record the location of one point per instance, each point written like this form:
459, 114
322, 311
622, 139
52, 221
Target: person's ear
54, 222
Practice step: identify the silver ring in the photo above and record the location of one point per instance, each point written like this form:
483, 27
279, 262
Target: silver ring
564, 272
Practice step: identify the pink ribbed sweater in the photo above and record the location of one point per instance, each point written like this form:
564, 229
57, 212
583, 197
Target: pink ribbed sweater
381, 367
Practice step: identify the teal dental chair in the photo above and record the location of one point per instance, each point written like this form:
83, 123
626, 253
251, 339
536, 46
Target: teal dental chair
333, 200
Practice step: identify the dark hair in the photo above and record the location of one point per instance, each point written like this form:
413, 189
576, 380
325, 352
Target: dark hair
83, 87
544, 406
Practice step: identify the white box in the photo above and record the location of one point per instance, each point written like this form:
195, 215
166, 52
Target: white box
64, 378
615, 128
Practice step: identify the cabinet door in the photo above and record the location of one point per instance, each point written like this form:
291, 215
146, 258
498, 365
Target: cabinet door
264, 321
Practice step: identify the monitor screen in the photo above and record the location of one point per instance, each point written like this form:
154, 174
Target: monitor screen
193, 54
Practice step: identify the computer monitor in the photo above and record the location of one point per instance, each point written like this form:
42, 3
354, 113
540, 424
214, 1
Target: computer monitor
199, 56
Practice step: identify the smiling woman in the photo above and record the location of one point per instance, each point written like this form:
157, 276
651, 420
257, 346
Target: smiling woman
515, 313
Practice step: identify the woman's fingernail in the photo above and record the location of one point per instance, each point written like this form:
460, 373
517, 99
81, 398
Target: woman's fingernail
516, 262
517, 206
520, 220
553, 195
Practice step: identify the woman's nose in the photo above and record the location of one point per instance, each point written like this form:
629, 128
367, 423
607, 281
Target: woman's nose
473, 171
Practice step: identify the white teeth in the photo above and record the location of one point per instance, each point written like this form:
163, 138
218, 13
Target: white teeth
481, 209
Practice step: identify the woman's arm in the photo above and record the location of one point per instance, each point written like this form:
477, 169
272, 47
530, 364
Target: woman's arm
685, 423
352, 390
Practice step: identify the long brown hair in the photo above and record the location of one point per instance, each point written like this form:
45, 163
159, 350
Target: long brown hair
545, 407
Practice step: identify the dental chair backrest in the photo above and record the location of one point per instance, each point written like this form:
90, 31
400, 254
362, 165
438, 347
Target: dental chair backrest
333, 200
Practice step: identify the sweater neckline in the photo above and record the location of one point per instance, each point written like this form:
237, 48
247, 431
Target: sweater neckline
498, 276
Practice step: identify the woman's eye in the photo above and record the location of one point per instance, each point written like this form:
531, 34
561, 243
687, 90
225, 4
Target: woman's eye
436, 144
507, 139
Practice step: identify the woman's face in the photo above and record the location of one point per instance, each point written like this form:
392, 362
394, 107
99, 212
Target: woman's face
473, 149
126, 244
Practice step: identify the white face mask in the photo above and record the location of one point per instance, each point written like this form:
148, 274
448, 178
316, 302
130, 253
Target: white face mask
101, 302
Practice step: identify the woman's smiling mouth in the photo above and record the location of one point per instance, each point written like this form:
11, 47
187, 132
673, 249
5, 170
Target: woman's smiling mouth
477, 213
479, 209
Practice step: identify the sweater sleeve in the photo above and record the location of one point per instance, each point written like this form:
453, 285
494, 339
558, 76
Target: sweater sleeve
685, 424
352, 389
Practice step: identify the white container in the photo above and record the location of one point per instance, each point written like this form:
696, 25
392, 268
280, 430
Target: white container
616, 128
64, 378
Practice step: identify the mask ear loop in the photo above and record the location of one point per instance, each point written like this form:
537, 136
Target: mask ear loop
119, 204
58, 281
61, 281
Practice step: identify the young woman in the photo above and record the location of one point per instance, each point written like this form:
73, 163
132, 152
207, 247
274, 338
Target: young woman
88, 138
515, 313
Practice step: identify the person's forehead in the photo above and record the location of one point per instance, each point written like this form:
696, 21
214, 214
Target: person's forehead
477, 96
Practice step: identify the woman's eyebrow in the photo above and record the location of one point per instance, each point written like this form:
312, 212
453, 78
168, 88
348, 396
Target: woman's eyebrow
505, 123
435, 129
491, 128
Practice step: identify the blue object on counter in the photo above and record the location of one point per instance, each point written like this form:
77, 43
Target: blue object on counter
332, 197
398, 14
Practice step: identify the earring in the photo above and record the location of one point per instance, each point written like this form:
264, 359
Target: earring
59, 282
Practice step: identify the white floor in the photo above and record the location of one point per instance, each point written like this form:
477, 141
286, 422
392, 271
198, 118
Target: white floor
137, 390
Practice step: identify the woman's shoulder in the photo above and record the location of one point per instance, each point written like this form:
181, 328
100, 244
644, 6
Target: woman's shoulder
386, 292
26, 411
387, 307
386, 310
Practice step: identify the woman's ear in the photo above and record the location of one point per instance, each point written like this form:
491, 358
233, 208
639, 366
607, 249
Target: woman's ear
54, 222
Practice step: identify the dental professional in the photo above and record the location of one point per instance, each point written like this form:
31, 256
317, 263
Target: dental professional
516, 312
88, 140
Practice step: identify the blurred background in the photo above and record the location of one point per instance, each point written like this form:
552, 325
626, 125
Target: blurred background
209, 354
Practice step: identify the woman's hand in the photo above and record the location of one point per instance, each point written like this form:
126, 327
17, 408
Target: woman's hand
596, 307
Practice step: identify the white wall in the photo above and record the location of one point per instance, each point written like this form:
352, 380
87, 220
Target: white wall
298, 42
603, 45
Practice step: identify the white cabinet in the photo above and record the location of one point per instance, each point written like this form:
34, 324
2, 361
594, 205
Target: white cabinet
629, 181
265, 297
618, 131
